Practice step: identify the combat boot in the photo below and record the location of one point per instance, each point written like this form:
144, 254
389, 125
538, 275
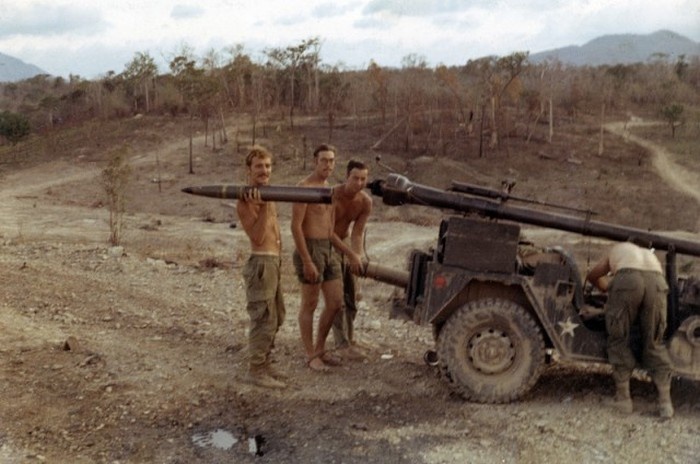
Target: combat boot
258, 375
665, 404
274, 373
622, 401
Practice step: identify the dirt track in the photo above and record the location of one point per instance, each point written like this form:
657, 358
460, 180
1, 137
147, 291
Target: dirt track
684, 181
159, 343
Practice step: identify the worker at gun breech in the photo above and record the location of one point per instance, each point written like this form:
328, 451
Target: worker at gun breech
633, 278
265, 303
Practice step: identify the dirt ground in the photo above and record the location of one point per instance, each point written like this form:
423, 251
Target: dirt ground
134, 354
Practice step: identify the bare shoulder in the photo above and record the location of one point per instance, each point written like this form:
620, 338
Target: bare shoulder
366, 199
309, 181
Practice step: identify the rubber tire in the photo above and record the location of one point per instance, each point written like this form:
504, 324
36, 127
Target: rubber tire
491, 323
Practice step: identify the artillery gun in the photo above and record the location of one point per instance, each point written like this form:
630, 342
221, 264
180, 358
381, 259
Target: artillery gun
498, 305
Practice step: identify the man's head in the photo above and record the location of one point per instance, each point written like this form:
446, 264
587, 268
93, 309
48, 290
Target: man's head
356, 176
259, 163
324, 156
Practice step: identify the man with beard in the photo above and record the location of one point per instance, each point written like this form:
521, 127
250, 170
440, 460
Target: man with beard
316, 263
352, 209
262, 270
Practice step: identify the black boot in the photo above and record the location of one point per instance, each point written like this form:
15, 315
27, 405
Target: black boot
665, 404
622, 401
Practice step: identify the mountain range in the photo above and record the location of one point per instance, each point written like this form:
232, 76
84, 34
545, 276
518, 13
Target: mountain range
608, 49
622, 49
13, 69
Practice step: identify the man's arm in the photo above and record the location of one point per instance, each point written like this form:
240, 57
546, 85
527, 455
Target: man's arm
355, 251
358, 228
298, 215
355, 259
597, 274
254, 216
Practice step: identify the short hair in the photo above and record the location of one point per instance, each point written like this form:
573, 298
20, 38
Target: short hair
355, 164
324, 147
256, 152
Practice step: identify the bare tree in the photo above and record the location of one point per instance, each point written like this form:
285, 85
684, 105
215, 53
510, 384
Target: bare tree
216, 82
411, 93
449, 79
196, 88
289, 59
115, 178
140, 73
237, 77
334, 92
380, 82
499, 75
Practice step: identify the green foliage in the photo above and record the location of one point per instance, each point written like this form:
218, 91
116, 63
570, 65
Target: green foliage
194, 84
672, 114
139, 76
14, 127
681, 67
621, 73
140, 67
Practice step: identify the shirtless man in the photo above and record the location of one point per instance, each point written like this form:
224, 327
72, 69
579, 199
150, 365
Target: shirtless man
352, 208
316, 264
262, 270
637, 293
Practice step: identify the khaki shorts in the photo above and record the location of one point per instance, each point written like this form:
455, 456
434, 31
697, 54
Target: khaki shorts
324, 258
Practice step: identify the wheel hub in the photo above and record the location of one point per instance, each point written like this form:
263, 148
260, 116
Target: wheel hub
491, 351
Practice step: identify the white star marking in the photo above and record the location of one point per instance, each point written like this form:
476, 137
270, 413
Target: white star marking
567, 327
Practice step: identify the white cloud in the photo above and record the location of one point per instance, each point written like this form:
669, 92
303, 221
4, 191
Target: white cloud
332, 9
415, 7
90, 37
180, 11
38, 19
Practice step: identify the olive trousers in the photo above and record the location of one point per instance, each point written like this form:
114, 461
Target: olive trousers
637, 297
265, 305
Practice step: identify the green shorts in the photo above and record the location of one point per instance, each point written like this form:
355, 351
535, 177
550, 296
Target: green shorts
324, 258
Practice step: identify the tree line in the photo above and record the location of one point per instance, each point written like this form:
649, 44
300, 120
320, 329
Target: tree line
487, 98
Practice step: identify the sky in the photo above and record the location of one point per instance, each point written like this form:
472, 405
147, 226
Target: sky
89, 38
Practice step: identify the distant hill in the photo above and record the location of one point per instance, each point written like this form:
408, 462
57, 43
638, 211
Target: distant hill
622, 49
12, 69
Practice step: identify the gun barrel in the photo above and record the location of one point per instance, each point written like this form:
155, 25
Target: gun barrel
471, 189
287, 193
398, 190
384, 274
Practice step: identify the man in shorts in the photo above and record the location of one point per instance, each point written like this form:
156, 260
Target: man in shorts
262, 270
637, 293
352, 209
316, 263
